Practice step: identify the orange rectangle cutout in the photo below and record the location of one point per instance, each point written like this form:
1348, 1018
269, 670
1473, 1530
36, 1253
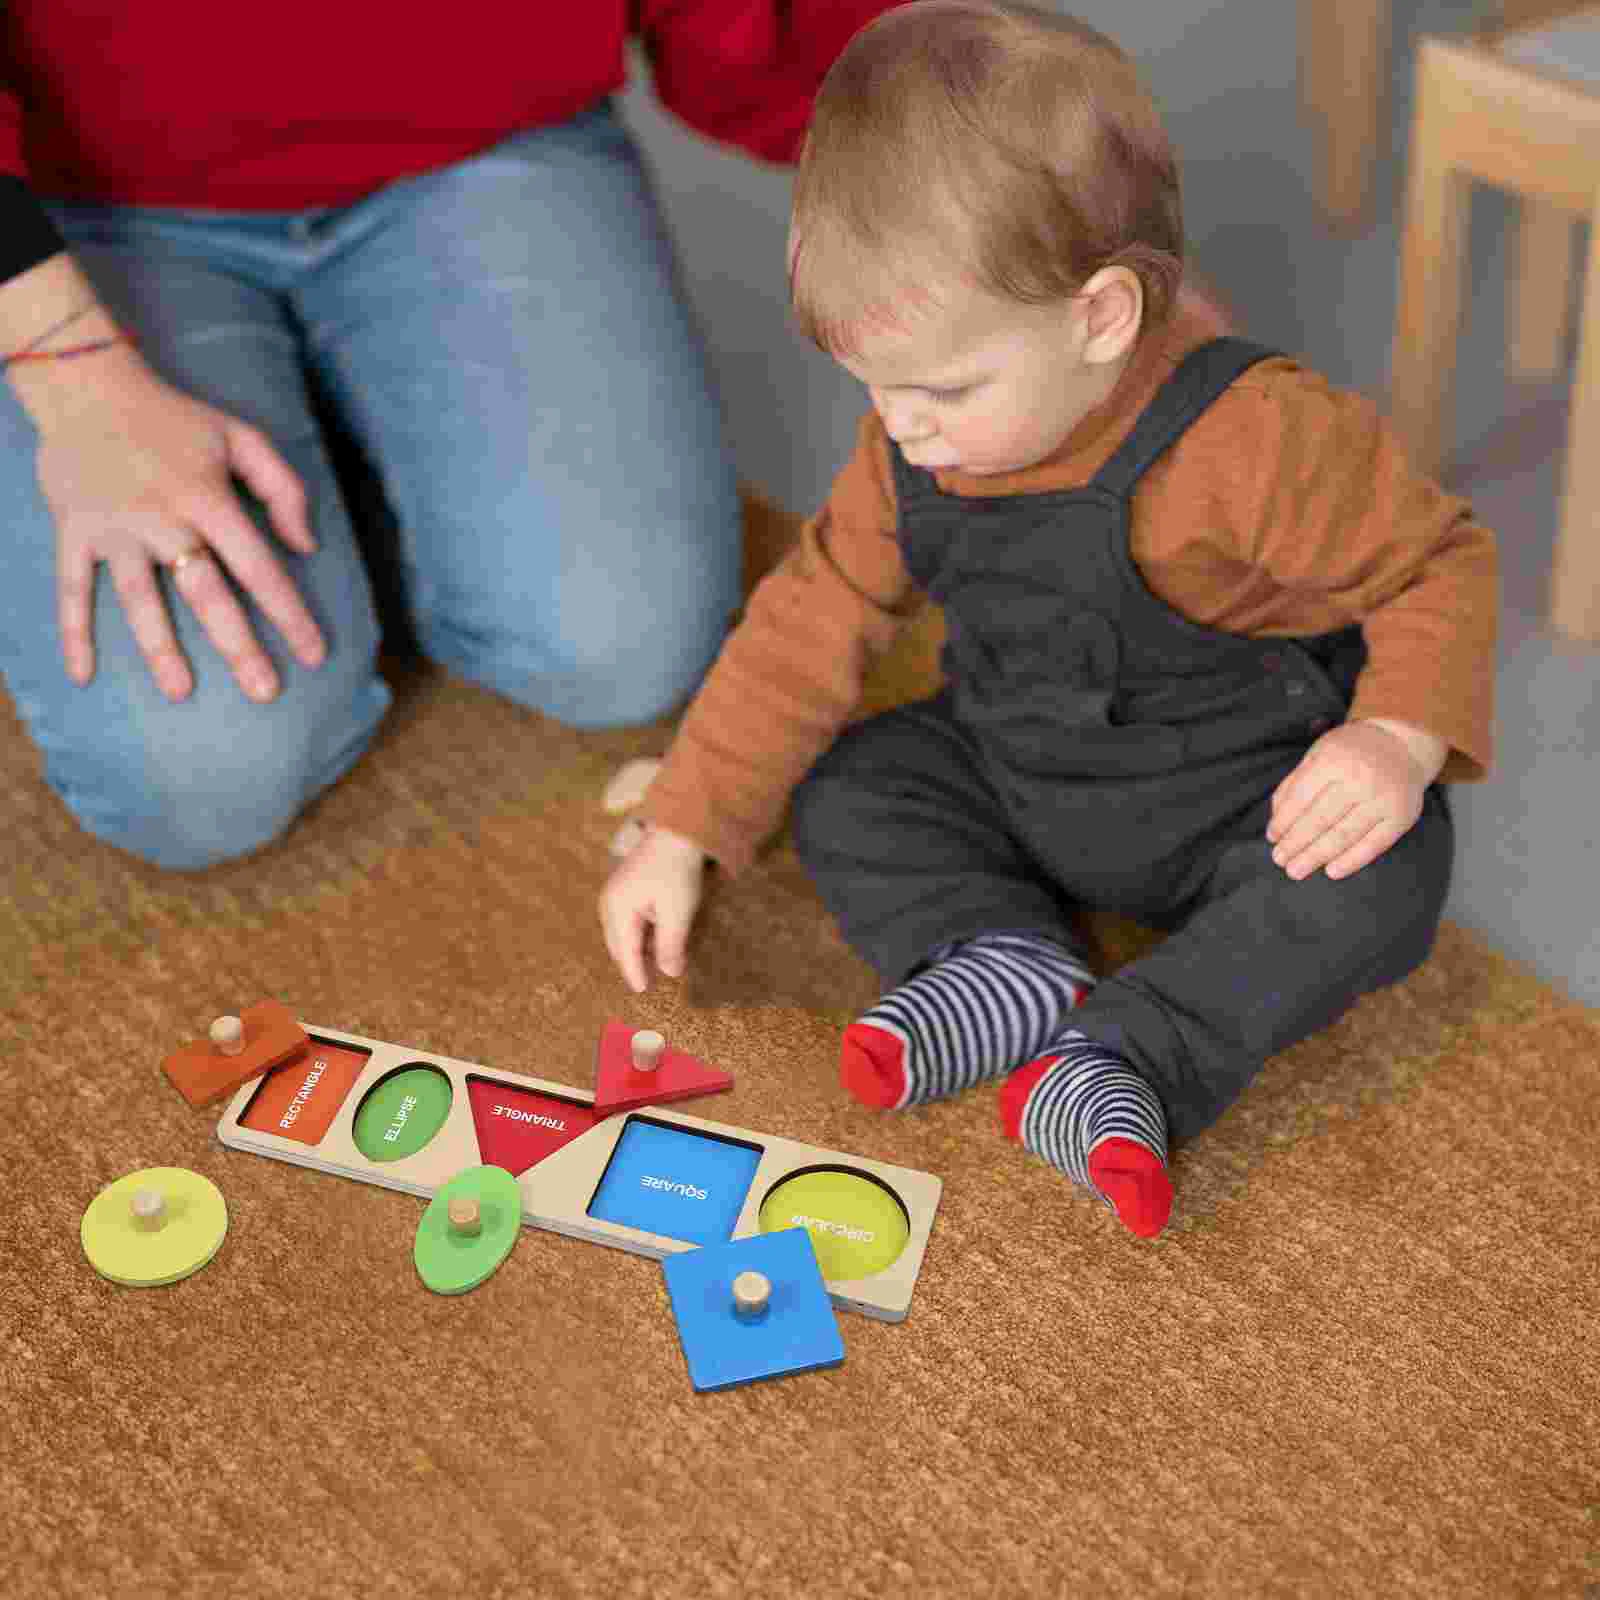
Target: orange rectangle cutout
300, 1099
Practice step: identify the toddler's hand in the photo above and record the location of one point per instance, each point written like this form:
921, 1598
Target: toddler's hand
1357, 790
657, 885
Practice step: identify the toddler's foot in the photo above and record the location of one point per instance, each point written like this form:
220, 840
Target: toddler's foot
1086, 1111
979, 1008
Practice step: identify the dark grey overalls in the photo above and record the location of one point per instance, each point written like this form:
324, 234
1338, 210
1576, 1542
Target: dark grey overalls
1092, 748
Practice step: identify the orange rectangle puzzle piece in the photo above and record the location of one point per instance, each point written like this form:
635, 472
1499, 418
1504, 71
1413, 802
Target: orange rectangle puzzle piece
201, 1073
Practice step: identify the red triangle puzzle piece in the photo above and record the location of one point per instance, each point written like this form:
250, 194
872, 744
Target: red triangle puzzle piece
621, 1086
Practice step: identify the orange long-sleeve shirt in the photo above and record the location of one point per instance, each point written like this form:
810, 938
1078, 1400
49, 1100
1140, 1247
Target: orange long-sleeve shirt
1287, 508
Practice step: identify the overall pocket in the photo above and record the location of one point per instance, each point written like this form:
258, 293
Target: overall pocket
1046, 704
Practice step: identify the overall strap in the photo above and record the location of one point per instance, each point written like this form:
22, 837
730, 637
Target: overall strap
1200, 377
913, 486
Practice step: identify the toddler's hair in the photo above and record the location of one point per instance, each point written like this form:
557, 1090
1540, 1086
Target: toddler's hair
982, 142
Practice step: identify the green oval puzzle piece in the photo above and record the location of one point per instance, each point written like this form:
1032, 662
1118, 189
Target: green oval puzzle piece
450, 1261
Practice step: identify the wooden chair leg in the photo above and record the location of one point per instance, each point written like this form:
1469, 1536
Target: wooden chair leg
1317, 63
1575, 572
1432, 269
1343, 78
1541, 280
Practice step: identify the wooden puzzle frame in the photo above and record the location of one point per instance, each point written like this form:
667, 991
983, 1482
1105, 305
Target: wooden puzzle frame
558, 1190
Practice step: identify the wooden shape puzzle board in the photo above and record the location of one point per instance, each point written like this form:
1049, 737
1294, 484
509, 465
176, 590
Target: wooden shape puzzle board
651, 1181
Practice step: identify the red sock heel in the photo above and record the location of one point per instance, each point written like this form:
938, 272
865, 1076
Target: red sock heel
1015, 1091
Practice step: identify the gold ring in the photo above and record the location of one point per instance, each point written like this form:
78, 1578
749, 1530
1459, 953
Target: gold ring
195, 551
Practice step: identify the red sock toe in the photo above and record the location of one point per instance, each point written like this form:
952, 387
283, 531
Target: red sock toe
871, 1065
1014, 1094
1133, 1179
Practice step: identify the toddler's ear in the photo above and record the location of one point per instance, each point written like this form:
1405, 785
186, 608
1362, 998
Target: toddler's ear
1116, 313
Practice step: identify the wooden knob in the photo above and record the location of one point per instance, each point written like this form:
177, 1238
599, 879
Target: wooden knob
752, 1291
466, 1217
647, 1048
148, 1208
227, 1034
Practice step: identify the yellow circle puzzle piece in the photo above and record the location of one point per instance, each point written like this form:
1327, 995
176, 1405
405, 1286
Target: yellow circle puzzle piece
154, 1226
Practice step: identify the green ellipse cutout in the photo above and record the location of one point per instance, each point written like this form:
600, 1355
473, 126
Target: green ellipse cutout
402, 1113
857, 1227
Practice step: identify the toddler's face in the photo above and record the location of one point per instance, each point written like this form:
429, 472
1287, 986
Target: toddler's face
990, 386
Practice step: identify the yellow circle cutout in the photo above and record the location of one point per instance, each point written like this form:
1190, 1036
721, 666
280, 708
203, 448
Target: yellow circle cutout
857, 1226
177, 1234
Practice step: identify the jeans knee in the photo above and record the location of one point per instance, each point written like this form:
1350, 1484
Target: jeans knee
626, 690
193, 785
187, 806
181, 822
628, 670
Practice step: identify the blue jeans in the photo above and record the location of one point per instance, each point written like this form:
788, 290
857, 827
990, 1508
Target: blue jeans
506, 343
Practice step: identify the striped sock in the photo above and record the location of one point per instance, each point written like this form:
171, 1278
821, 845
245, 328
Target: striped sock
1086, 1111
978, 1008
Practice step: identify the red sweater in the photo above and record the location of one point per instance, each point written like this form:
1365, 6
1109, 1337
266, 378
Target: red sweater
302, 103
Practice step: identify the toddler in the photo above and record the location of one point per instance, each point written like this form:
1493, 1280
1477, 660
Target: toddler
1213, 646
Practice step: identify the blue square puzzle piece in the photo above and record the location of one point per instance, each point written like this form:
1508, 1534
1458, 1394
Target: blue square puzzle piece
798, 1332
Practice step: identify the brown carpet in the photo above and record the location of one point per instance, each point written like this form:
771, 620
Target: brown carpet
1362, 1360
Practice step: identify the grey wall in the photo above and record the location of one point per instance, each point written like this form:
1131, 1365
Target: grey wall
1224, 71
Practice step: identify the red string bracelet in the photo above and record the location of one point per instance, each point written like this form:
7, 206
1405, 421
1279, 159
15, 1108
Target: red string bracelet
71, 350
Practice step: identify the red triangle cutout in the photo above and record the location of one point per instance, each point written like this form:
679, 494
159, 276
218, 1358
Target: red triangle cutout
517, 1127
620, 1086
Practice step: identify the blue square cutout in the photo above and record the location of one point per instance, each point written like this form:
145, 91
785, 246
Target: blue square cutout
676, 1182
798, 1333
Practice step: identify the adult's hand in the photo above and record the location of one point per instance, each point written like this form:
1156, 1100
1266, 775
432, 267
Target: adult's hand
135, 472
